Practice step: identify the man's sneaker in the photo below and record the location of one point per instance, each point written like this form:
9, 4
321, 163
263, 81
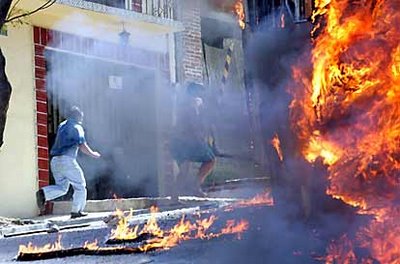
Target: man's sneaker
40, 199
78, 214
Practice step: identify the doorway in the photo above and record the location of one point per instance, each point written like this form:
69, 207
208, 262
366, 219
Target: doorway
119, 104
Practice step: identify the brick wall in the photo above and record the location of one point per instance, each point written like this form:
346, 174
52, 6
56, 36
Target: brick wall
40, 36
189, 46
137, 5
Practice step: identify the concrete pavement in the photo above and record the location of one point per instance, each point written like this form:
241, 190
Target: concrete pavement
99, 210
99, 214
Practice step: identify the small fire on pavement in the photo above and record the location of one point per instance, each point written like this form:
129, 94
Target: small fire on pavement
30, 248
150, 236
156, 238
262, 199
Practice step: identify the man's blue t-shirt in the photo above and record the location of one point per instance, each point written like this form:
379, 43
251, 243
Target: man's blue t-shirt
70, 135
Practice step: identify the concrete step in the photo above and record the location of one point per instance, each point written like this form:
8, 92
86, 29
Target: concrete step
94, 206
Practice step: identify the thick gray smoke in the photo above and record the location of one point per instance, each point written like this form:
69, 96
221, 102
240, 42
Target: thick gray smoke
120, 101
272, 54
122, 105
304, 219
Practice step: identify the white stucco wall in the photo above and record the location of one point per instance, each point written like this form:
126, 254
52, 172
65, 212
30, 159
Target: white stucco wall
18, 161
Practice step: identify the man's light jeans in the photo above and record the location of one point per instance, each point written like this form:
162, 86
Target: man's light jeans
66, 171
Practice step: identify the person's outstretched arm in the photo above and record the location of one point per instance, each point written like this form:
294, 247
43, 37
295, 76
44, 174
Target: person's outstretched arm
88, 151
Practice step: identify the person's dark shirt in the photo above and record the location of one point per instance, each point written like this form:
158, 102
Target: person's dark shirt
190, 123
70, 135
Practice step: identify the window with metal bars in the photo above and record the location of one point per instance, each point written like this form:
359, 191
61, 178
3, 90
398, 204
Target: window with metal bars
158, 8
113, 3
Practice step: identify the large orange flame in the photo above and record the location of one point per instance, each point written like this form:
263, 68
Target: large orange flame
347, 114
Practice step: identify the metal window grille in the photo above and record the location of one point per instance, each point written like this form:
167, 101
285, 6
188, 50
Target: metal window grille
158, 8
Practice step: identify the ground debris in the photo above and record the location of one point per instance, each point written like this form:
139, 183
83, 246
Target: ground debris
4, 221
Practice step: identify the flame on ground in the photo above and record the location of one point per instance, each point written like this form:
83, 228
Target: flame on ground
263, 199
151, 227
235, 228
347, 113
91, 245
183, 230
163, 239
178, 233
30, 248
123, 231
341, 252
203, 225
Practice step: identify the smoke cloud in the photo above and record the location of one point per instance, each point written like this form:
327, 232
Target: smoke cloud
119, 100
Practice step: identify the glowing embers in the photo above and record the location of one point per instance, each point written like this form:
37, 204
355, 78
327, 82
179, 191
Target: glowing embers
91, 246
340, 251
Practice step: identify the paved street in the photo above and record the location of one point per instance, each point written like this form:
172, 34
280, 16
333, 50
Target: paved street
270, 239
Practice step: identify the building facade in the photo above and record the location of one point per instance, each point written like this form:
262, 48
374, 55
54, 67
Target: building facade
75, 53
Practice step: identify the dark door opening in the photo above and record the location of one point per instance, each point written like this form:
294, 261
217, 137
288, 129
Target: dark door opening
118, 102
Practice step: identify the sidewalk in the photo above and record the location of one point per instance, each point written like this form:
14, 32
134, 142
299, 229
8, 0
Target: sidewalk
104, 216
101, 211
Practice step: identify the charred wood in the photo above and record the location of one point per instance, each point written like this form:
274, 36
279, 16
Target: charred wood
139, 239
63, 253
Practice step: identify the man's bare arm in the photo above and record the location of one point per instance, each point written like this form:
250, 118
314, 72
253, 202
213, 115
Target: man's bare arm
88, 151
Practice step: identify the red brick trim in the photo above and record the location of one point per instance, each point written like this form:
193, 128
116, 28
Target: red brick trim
137, 5
40, 40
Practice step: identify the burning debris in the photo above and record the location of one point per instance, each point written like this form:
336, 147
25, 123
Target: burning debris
151, 236
144, 242
346, 115
263, 199
155, 237
91, 249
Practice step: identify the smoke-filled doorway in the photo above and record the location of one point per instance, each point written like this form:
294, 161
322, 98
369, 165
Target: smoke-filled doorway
119, 104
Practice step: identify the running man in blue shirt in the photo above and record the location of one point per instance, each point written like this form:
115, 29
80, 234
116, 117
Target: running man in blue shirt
66, 170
